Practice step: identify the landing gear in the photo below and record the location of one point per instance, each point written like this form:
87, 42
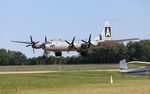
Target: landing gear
46, 54
58, 54
84, 54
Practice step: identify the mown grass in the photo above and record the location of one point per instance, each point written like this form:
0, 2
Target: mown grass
74, 83
57, 67
61, 67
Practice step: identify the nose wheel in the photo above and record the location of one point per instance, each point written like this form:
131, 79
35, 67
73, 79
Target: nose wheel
84, 54
46, 54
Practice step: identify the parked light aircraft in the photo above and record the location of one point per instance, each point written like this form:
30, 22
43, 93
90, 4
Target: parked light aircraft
82, 46
141, 70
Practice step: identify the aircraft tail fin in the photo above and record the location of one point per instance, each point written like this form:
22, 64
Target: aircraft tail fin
123, 66
106, 33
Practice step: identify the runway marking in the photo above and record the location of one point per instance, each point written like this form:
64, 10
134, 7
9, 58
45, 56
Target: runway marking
26, 72
30, 72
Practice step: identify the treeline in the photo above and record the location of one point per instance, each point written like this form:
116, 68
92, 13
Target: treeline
8, 57
108, 54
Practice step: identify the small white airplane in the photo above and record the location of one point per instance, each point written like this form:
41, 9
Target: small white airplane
141, 70
82, 46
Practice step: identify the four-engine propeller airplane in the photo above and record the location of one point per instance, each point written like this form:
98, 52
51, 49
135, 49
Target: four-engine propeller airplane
82, 46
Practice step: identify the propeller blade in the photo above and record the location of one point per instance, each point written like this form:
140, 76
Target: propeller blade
43, 44
33, 50
89, 41
84, 41
31, 39
67, 42
45, 39
33, 43
93, 45
36, 42
76, 49
73, 40
68, 50
90, 38
71, 45
28, 45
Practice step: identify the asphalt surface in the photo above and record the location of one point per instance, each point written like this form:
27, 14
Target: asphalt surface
31, 72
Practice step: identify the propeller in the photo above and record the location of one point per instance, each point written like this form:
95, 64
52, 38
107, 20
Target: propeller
43, 45
33, 43
71, 45
88, 42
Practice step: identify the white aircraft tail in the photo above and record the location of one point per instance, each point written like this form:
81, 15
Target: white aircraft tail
106, 33
123, 66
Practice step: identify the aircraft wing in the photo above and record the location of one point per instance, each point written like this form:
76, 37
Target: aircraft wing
109, 42
22, 42
118, 41
139, 62
122, 40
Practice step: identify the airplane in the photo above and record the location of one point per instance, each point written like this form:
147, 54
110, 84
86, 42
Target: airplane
140, 70
81, 46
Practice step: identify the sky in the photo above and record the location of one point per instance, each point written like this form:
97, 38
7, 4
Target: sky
64, 19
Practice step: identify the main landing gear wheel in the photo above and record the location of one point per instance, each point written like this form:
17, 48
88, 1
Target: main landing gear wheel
58, 54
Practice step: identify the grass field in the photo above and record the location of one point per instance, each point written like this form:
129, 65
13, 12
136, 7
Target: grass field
61, 67
71, 82
74, 83
58, 67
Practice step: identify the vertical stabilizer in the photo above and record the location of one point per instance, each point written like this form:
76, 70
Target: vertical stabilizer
106, 33
123, 66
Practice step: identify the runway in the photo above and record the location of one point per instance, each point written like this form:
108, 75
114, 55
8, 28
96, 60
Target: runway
32, 72
26, 72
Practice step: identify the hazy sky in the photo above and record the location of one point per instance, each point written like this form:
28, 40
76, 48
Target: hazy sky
64, 19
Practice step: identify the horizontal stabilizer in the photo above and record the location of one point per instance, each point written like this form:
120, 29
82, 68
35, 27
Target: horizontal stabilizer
139, 62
